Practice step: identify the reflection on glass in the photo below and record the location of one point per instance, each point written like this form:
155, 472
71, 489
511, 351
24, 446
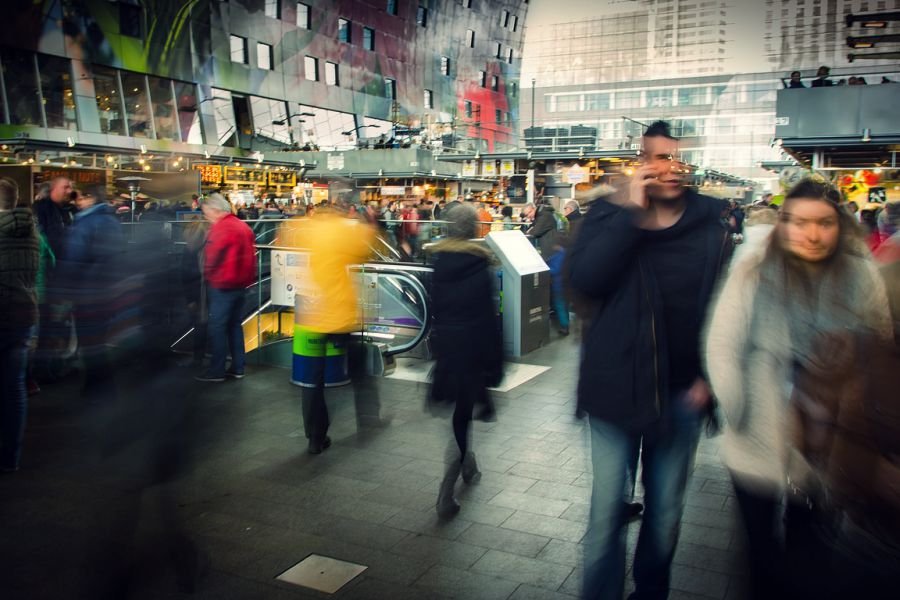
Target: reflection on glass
265, 112
56, 87
109, 100
226, 129
136, 105
188, 115
163, 109
21, 88
327, 127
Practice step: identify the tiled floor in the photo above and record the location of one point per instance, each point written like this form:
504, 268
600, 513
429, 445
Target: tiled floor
258, 504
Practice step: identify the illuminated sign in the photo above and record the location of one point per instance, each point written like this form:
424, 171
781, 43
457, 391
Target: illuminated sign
76, 176
209, 174
282, 178
242, 175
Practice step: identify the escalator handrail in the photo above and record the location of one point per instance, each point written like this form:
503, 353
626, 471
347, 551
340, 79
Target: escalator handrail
402, 271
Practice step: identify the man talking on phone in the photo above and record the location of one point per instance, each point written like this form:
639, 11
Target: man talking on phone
648, 259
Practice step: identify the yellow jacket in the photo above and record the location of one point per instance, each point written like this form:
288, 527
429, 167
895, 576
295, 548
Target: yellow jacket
333, 242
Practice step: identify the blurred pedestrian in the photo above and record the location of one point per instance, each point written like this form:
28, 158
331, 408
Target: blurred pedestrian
467, 343
328, 311
229, 267
786, 319
647, 262
91, 271
19, 256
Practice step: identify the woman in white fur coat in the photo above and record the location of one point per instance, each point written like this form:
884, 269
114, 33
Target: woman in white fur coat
787, 314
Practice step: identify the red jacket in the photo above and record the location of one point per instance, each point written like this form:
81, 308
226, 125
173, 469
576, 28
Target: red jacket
230, 256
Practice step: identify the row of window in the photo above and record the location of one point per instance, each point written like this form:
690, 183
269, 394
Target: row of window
658, 98
471, 109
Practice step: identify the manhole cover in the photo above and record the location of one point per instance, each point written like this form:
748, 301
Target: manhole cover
322, 573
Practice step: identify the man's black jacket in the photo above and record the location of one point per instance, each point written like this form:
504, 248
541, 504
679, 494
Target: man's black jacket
624, 364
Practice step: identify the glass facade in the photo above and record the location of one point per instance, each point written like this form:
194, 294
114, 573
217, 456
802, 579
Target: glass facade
109, 100
164, 113
57, 93
22, 91
137, 105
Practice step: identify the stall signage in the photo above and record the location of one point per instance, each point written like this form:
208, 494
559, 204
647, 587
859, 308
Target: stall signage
282, 178
335, 162
209, 174
489, 168
242, 175
576, 174
76, 176
468, 169
393, 190
507, 168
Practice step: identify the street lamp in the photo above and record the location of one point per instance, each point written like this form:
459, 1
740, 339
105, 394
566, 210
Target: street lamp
134, 187
196, 107
357, 128
286, 119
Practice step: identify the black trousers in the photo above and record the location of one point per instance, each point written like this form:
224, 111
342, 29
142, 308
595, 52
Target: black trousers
761, 514
365, 392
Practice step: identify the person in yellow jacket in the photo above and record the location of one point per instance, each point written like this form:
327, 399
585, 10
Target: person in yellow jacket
328, 310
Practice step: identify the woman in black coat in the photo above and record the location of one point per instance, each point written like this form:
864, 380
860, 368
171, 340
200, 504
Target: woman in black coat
467, 339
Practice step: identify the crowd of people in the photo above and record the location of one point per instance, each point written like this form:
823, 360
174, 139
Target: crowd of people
786, 342
823, 79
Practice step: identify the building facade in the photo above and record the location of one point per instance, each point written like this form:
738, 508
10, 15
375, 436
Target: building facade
257, 79
710, 67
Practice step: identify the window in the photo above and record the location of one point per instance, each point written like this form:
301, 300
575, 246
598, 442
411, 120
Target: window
429, 99
482, 78
468, 108
226, 120
239, 49
422, 16
498, 116
392, 7
22, 90
311, 66
390, 88
368, 38
273, 9
509, 55
515, 22
445, 65
130, 20
331, 74
344, 27
495, 83
470, 38
188, 119
56, 88
504, 18
498, 50
106, 88
467, 3
303, 15
137, 105
164, 114
264, 56
266, 112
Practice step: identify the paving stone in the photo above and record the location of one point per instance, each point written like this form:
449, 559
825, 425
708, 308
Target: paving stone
522, 569
530, 592
580, 513
466, 584
538, 472
533, 504
699, 581
564, 553
371, 588
705, 500
507, 540
710, 537
427, 522
439, 551
559, 491
479, 512
574, 583
546, 526
711, 559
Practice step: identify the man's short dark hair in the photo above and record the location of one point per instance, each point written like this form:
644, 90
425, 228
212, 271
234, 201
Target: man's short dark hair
9, 193
659, 129
96, 191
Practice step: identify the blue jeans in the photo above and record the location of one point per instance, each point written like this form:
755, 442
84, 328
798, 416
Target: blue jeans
225, 331
13, 395
667, 459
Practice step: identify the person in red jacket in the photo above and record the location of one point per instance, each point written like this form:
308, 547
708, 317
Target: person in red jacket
229, 266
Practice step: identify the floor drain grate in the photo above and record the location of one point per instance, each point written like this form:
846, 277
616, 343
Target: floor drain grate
322, 573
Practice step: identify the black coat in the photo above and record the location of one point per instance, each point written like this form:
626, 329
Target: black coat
466, 335
624, 366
